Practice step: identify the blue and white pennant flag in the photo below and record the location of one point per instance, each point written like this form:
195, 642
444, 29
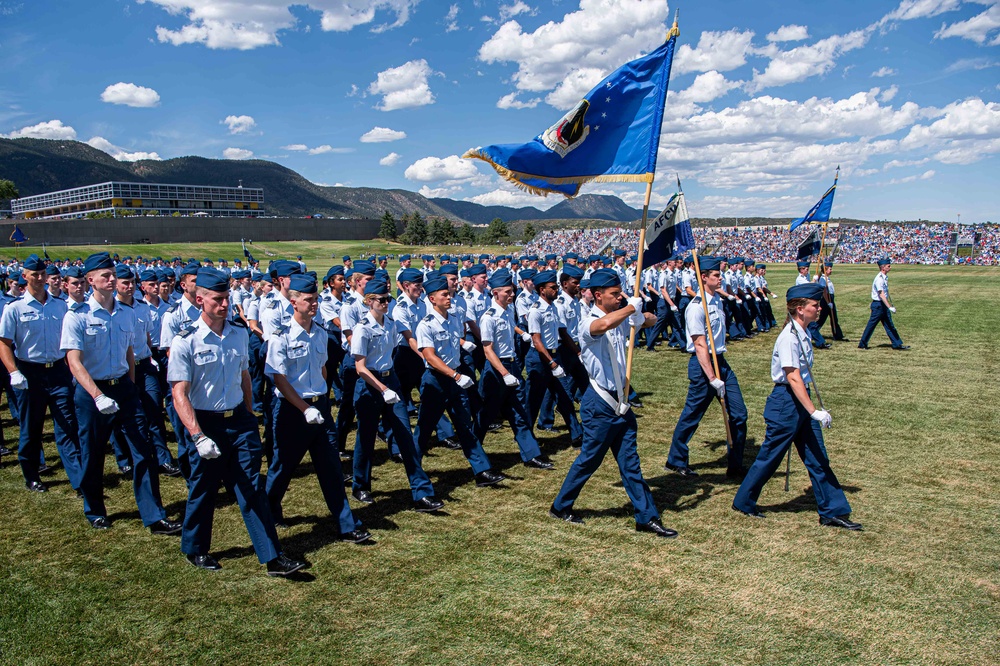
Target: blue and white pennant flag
669, 232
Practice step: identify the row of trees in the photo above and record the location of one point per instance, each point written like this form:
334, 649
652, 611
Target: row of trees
416, 231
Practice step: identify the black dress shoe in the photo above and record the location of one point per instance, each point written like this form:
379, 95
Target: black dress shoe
657, 528
346, 455
428, 505
577, 443
348, 478
652, 349
756, 513
842, 339
36, 487
363, 495
283, 566
165, 527
863, 347
736, 474
539, 462
169, 469
101, 523
826, 346
451, 443
902, 347
355, 536
841, 522
489, 478
4, 451
566, 515
396, 458
546, 429
682, 470
493, 427
279, 520
206, 562
126, 471
79, 494
44, 468
636, 404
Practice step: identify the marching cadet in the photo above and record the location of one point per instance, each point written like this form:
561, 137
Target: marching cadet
526, 297
404, 262
330, 303
351, 313
274, 313
97, 338
208, 373
665, 285
619, 268
803, 278
882, 309
703, 384
296, 363
443, 387
570, 310
766, 295
791, 417
829, 305
54, 279
152, 281
548, 337
262, 289
500, 385
30, 331
75, 286
377, 399
608, 421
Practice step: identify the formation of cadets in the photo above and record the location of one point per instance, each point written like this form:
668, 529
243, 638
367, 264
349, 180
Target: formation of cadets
115, 349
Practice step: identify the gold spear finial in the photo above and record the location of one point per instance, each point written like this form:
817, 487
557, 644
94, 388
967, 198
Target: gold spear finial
675, 31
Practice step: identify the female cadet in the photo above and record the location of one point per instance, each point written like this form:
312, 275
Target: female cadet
377, 398
790, 417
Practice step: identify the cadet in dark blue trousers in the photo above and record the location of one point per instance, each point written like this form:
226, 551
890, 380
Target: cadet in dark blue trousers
30, 330
210, 379
792, 418
882, 309
377, 399
704, 387
296, 363
97, 338
608, 420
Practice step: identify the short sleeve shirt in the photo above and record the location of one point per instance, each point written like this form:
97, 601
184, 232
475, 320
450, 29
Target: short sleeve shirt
212, 363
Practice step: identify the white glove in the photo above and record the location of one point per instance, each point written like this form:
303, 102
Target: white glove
731, 297
468, 346
207, 448
623, 408
719, 386
465, 381
18, 381
673, 308
756, 299
891, 309
390, 397
646, 298
105, 404
510, 380
739, 300
823, 417
637, 319
636, 302
767, 300
152, 362
558, 372
313, 417
526, 337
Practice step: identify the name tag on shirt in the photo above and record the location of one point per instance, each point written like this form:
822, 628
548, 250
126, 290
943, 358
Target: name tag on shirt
205, 357
298, 351
442, 335
96, 329
29, 316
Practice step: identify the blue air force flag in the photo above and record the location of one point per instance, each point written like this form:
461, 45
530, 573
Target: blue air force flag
821, 211
611, 135
810, 246
670, 232
17, 236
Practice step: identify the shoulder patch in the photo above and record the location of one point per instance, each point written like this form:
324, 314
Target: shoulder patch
173, 308
237, 322
281, 330
272, 304
428, 318
536, 304
491, 312
186, 331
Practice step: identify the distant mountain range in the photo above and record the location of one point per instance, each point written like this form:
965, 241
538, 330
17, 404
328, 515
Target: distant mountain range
45, 165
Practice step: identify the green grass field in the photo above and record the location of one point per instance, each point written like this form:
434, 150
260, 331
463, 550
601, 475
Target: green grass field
495, 580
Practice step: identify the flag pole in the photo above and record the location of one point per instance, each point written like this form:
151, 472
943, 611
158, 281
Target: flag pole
638, 282
710, 341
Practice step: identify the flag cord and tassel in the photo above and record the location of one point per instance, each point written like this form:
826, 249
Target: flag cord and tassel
710, 341
819, 399
638, 283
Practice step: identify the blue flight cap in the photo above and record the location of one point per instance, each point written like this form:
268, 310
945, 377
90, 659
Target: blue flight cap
98, 261
809, 290
33, 263
212, 279
828, 264
51, 269
532, 257
410, 275
477, 269
436, 283
550, 257
749, 263
285, 268
382, 274
570, 255
74, 272
604, 277
302, 283
123, 272
404, 257
884, 261
607, 261
527, 274
594, 257
364, 267
759, 266
377, 287
383, 258
190, 269
585, 284
347, 257
206, 260
147, 276
448, 269
445, 257
709, 263
484, 256
266, 277
348, 273
802, 264
256, 276
569, 272
619, 252
164, 275
501, 278
465, 257
334, 270
544, 277
298, 256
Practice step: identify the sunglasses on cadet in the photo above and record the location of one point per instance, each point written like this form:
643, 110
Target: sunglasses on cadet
383, 299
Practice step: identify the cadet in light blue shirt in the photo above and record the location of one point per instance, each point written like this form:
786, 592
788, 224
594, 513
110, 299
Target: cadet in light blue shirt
98, 338
882, 309
30, 330
183, 312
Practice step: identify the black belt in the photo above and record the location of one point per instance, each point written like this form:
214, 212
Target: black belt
507, 360
226, 413
32, 364
381, 373
110, 382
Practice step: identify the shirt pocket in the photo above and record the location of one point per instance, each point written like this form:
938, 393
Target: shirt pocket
205, 357
298, 351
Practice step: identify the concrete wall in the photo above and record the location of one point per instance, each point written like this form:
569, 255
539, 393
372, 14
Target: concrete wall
187, 230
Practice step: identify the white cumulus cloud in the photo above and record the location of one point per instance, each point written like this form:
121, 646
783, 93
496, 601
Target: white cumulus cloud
224, 24
120, 154
511, 101
382, 135
436, 169
513, 9
239, 124
803, 62
916, 9
978, 29
452, 24
130, 94
882, 72
390, 159
720, 51
789, 33
50, 129
403, 87
295, 147
237, 154
327, 148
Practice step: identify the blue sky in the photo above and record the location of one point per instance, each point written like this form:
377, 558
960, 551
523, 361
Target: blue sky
767, 98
